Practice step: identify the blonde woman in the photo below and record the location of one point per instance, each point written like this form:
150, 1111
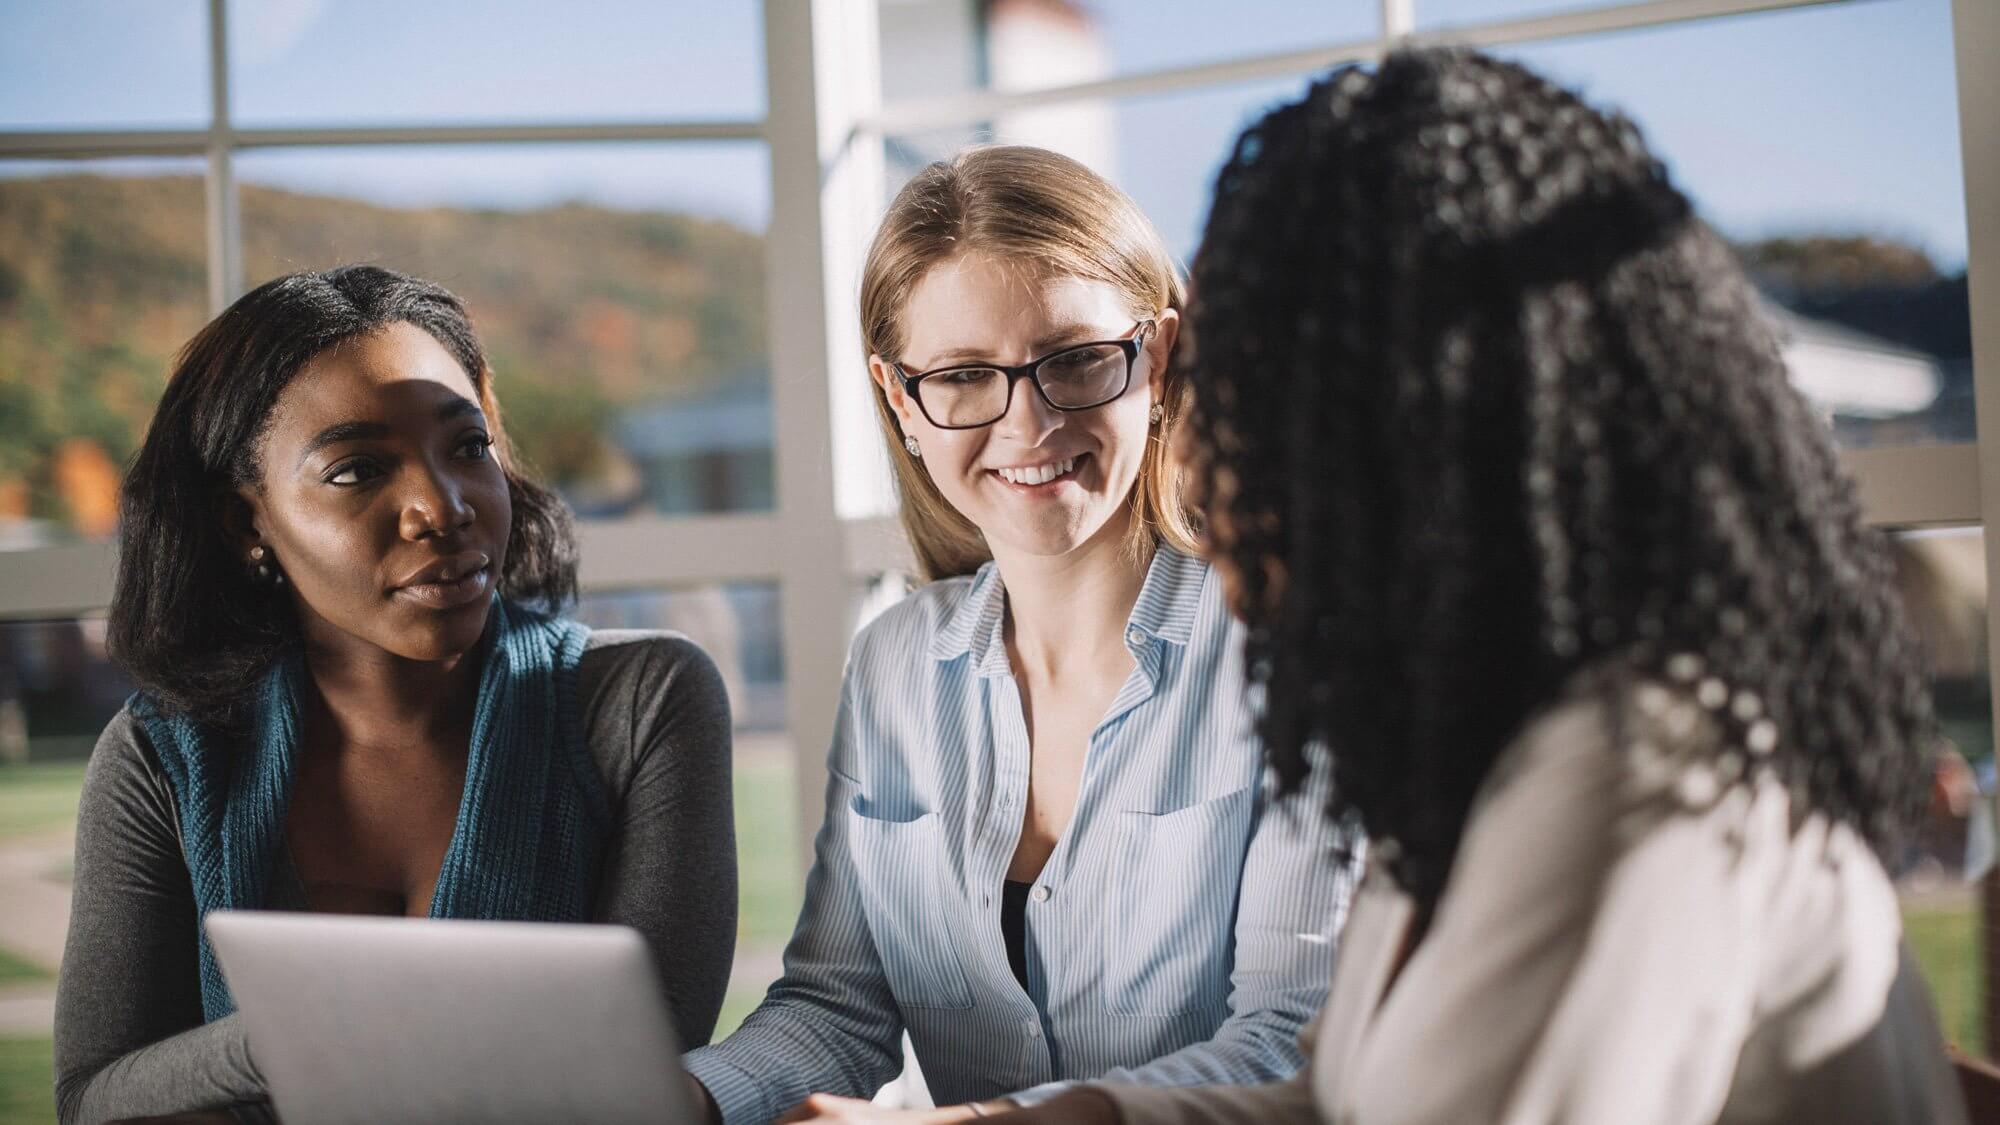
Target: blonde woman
1047, 852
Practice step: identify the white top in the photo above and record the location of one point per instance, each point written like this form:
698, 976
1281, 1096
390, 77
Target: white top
1623, 938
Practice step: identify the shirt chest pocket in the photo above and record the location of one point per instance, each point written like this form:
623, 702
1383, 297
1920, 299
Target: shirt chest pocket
1168, 940
909, 904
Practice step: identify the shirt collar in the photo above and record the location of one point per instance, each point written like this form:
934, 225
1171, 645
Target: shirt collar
1168, 603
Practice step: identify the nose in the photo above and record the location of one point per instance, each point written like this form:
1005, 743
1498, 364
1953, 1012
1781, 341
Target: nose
434, 506
1029, 418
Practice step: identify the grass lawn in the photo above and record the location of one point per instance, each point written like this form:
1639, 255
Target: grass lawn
770, 884
38, 797
1945, 942
13, 970
741, 1000
767, 854
27, 1082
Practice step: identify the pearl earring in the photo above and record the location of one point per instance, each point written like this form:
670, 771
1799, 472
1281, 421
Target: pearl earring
910, 444
263, 568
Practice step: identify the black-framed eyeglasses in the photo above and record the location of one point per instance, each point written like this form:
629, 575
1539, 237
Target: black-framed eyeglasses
1078, 377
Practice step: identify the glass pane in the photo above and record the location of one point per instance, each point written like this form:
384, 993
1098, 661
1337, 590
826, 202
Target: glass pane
103, 277
938, 47
1949, 888
619, 290
1163, 149
738, 625
378, 61
1845, 198
1465, 13
104, 64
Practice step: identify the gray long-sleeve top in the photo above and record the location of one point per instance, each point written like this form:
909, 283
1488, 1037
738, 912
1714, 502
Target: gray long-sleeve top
129, 1036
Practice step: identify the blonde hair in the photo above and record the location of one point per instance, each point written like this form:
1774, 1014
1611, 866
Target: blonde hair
1037, 208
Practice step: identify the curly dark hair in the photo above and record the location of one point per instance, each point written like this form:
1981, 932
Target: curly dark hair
187, 622
1480, 406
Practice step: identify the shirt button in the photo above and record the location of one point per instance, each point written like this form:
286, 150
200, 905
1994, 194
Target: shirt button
1040, 894
1034, 1031
1135, 638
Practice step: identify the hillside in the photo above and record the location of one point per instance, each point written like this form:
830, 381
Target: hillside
585, 311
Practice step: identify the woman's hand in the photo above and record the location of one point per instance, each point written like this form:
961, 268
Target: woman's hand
826, 1109
1081, 1106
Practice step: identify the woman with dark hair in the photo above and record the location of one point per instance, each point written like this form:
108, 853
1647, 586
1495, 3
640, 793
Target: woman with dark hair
334, 595
1531, 532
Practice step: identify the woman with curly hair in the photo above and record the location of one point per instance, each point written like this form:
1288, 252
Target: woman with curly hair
1531, 532
336, 594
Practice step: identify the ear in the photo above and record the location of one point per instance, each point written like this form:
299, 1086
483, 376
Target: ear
891, 383
1160, 349
241, 514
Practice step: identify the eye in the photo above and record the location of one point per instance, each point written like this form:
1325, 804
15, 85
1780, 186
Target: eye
474, 447
357, 471
963, 377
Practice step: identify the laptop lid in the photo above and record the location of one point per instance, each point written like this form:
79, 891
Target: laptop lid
355, 1019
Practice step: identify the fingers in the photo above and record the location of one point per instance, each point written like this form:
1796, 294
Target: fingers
824, 1107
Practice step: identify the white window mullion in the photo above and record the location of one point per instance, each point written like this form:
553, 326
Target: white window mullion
225, 221
1976, 40
820, 61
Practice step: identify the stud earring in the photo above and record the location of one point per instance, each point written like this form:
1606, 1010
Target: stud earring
1158, 412
910, 444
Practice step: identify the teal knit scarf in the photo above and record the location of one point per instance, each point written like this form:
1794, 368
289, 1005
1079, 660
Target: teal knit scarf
530, 827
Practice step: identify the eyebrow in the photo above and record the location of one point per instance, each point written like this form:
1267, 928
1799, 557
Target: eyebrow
457, 406
1062, 337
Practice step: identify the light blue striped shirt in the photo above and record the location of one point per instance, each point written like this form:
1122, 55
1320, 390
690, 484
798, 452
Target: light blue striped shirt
1182, 931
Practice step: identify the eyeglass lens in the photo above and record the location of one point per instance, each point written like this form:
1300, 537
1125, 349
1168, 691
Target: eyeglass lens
1072, 380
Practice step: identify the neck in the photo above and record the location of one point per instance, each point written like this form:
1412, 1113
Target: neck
372, 698
1071, 608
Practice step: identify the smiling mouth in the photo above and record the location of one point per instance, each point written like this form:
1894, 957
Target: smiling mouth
1040, 476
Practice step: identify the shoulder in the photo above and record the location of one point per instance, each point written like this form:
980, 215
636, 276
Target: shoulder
124, 781
1640, 742
645, 659
1643, 772
904, 633
124, 748
641, 687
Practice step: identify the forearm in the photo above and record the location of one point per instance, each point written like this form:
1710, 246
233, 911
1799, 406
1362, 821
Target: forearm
793, 1046
205, 1068
1245, 1051
129, 1034
671, 874
1273, 1103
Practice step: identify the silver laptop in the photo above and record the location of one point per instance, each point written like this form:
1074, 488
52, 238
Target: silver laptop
408, 1019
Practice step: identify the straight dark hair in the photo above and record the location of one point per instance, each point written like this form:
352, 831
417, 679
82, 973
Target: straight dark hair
187, 622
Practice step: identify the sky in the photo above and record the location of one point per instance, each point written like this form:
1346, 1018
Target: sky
1841, 118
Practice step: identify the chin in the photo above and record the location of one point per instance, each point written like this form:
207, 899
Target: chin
442, 636
1054, 539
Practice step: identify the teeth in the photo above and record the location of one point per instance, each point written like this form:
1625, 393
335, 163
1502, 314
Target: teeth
1039, 474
